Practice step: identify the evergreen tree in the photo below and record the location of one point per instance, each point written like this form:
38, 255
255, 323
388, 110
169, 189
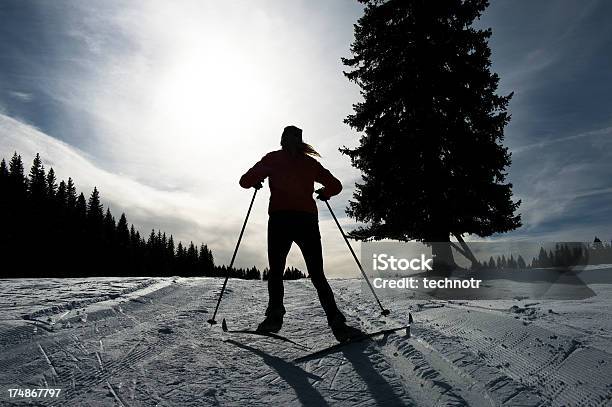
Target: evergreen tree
4, 182
60, 196
51, 183
38, 181
181, 257
431, 152
543, 260
5, 199
123, 233
511, 262
81, 207
71, 194
4, 173
170, 247
165, 259
504, 263
95, 211
551, 257
206, 260
109, 225
491, 263
192, 260
210, 258
17, 177
159, 243
134, 240
151, 240
597, 244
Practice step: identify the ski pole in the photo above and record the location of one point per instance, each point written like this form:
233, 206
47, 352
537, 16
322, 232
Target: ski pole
384, 311
212, 320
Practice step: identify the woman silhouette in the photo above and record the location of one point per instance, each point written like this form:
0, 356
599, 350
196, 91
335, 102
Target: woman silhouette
292, 172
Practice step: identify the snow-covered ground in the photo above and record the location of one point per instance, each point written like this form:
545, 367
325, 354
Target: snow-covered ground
33, 296
153, 347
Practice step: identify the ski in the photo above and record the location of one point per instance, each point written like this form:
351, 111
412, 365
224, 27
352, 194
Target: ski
358, 338
267, 334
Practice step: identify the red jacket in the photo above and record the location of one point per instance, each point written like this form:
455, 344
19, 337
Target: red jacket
291, 181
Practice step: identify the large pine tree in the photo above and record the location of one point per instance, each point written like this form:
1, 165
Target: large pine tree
432, 124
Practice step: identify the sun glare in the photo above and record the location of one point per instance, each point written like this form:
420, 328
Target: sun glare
212, 90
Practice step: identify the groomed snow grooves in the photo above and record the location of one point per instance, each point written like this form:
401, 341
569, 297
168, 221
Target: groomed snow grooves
157, 349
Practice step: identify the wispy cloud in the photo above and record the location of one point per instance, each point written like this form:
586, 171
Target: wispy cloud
605, 132
21, 96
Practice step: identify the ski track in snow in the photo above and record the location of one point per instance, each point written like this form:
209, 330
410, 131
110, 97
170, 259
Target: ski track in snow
155, 348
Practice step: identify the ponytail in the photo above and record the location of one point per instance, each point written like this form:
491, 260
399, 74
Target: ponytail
291, 141
307, 149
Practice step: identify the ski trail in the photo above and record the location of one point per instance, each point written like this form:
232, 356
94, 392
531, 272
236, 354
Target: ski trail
532, 355
100, 361
429, 376
117, 398
67, 352
161, 351
515, 358
51, 366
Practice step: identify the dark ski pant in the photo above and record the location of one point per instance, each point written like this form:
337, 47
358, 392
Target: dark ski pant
284, 228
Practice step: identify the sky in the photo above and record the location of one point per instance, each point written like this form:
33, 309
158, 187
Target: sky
163, 105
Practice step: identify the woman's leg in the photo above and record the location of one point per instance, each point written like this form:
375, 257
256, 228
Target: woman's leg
279, 243
308, 239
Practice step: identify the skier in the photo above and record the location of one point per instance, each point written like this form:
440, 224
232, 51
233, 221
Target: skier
292, 172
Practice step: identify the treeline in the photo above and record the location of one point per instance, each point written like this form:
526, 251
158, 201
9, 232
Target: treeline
253, 273
51, 230
501, 262
291, 273
564, 255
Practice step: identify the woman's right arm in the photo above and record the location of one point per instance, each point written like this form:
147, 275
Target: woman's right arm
257, 174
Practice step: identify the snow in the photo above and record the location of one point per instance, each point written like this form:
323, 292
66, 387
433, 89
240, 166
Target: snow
148, 344
33, 296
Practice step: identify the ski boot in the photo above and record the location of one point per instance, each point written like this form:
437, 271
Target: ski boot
272, 323
343, 332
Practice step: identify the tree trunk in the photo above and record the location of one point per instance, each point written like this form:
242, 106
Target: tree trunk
443, 262
467, 251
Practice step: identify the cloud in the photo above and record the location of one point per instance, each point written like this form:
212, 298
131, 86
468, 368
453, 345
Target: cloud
21, 96
564, 184
605, 132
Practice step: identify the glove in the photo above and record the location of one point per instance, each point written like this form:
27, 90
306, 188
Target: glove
321, 194
259, 185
